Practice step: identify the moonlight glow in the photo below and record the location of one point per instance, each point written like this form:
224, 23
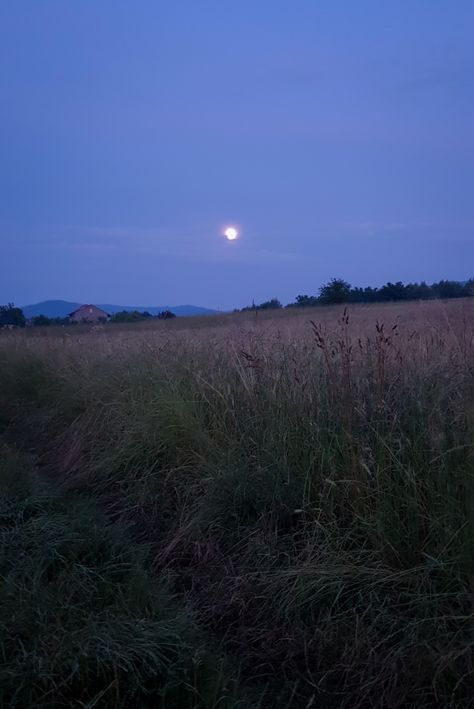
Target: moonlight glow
231, 233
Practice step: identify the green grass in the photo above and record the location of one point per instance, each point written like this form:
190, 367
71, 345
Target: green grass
82, 622
307, 491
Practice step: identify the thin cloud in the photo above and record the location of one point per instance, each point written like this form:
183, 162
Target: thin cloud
396, 226
193, 245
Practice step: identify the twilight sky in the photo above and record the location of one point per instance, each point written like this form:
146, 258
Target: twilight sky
338, 135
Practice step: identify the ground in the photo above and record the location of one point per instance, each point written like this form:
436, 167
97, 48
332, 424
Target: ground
297, 489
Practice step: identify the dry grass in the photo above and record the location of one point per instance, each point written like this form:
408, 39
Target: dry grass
304, 478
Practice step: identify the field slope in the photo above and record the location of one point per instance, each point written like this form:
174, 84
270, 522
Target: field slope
300, 487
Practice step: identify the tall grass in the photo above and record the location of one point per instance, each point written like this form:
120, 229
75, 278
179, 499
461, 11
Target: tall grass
82, 623
305, 483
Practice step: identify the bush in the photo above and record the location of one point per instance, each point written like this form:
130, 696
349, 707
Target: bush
11, 316
166, 315
42, 320
127, 316
273, 304
305, 301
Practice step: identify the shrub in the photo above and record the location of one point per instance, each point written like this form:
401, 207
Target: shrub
11, 316
166, 315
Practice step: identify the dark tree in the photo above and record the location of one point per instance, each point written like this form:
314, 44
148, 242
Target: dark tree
9, 315
339, 291
450, 289
336, 291
305, 301
393, 291
166, 315
41, 320
126, 316
469, 287
273, 304
364, 295
418, 291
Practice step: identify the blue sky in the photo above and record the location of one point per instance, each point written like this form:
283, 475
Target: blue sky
338, 136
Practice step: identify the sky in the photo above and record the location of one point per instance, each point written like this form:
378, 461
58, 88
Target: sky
336, 135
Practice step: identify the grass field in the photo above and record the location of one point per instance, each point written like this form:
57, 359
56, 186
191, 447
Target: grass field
272, 510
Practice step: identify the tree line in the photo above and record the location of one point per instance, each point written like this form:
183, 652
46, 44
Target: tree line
337, 291
131, 316
11, 316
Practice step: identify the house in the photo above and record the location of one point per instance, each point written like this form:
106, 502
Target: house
88, 313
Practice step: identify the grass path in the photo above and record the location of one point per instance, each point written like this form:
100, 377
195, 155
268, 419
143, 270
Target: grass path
82, 621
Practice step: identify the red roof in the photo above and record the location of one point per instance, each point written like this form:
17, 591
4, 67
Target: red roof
85, 307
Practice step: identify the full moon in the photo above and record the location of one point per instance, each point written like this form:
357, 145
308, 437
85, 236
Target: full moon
231, 233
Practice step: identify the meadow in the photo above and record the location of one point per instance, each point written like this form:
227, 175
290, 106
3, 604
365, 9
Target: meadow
247, 510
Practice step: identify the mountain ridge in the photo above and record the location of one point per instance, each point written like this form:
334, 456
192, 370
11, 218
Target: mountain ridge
62, 308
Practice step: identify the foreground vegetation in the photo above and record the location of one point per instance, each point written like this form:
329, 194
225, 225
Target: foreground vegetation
82, 622
300, 488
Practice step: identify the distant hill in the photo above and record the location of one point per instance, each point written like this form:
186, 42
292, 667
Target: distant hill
155, 309
62, 308
50, 308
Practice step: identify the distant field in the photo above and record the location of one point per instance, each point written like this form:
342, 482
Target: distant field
298, 485
422, 314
